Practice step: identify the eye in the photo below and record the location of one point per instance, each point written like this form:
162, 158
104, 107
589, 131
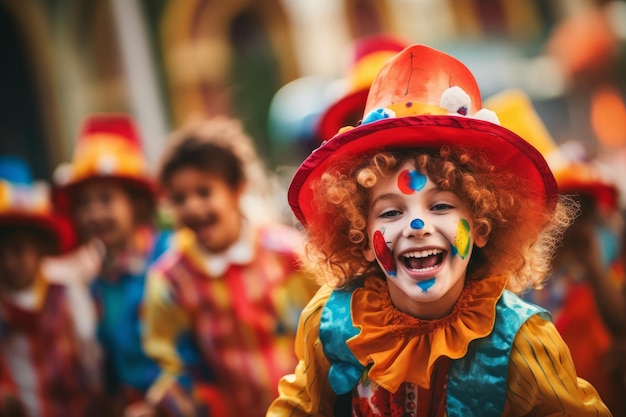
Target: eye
81, 202
105, 198
204, 192
177, 199
387, 214
439, 207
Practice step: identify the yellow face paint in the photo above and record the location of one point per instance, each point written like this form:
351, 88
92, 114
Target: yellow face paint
462, 239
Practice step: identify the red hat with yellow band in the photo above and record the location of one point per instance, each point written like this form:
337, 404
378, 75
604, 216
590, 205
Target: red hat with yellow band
424, 98
108, 146
370, 54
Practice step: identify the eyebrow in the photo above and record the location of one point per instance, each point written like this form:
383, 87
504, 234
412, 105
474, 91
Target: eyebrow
386, 196
391, 196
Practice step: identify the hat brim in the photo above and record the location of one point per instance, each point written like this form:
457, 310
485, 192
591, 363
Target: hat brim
61, 194
344, 112
605, 195
506, 150
60, 231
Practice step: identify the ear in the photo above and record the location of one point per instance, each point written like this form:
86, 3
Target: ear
369, 254
481, 241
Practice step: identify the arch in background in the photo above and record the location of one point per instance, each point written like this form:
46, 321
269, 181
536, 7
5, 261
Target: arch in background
208, 47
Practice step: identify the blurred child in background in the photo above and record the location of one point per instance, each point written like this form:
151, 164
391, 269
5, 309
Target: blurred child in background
41, 372
587, 268
112, 201
587, 274
613, 311
221, 310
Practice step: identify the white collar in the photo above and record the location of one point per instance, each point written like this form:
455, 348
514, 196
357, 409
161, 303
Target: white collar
239, 253
25, 298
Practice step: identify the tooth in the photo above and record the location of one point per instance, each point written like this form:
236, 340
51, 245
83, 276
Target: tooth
422, 253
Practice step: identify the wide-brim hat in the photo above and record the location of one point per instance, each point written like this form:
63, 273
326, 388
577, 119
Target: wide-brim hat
108, 147
370, 53
25, 203
424, 98
516, 112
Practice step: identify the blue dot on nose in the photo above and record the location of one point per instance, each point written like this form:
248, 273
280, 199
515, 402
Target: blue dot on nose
417, 224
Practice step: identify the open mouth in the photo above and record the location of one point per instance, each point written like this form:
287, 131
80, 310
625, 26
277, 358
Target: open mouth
198, 225
423, 260
100, 229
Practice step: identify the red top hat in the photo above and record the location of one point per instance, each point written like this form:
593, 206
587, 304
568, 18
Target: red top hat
370, 54
108, 146
424, 98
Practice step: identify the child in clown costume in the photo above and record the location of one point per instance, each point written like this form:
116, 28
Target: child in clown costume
41, 369
438, 217
586, 270
222, 308
588, 274
108, 193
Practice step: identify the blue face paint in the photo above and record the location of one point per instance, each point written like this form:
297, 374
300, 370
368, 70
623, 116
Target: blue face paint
453, 250
417, 224
426, 284
462, 239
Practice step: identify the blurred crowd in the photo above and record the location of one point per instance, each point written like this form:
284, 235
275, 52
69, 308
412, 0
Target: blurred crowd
91, 323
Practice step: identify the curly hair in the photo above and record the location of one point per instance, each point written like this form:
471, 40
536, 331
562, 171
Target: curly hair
217, 146
522, 237
221, 146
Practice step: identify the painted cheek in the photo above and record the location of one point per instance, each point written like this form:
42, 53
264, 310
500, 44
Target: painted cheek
410, 181
462, 239
383, 254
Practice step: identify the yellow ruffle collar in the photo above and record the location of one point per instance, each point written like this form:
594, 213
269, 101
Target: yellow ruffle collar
402, 348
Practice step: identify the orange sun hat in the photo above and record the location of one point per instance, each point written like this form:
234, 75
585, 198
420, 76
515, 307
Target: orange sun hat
369, 55
424, 98
108, 146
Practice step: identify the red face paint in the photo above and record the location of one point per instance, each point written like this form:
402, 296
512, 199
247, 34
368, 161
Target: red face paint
383, 254
410, 181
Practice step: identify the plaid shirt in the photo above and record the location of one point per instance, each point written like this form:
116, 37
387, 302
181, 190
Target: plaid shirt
239, 326
41, 359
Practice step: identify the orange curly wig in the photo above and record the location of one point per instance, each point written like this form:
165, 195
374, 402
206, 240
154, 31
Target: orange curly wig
520, 251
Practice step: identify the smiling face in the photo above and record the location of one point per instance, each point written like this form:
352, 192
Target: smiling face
20, 256
422, 238
103, 209
204, 203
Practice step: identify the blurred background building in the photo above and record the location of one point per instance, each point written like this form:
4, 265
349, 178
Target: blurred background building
277, 63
